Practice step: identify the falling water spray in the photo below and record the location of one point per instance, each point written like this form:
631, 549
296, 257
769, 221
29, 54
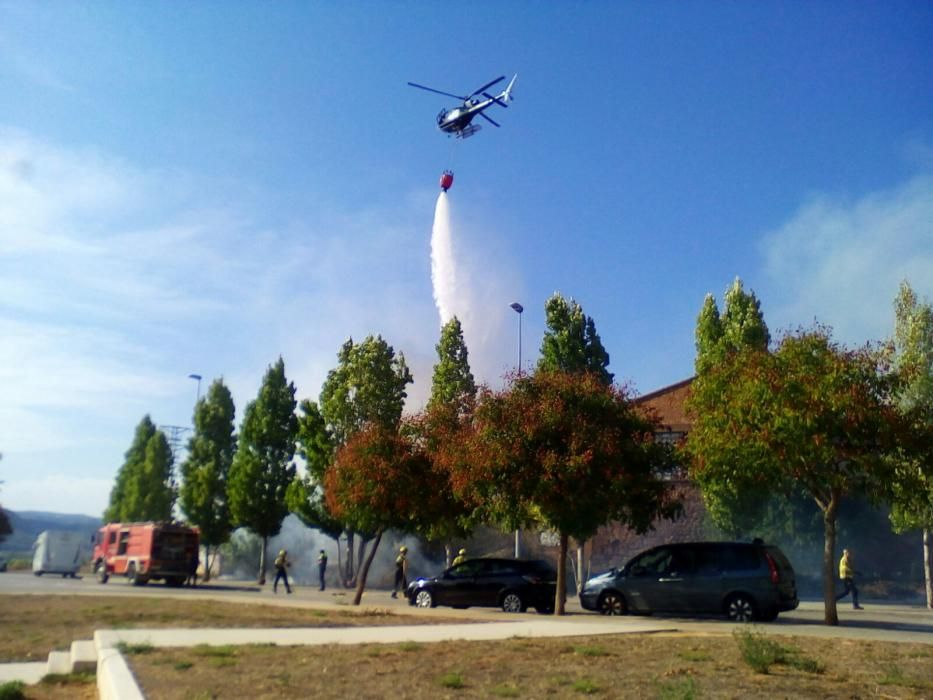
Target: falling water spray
443, 268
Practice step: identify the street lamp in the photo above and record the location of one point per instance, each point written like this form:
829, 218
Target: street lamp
198, 377
518, 308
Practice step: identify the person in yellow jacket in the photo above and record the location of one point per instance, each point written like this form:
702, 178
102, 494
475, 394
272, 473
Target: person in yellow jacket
401, 572
281, 564
460, 558
847, 574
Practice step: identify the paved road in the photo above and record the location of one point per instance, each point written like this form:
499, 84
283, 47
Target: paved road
881, 621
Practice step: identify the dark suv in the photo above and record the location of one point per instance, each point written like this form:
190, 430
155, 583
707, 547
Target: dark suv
744, 581
510, 584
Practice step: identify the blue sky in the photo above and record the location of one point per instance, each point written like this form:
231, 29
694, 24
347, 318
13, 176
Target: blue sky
202, 187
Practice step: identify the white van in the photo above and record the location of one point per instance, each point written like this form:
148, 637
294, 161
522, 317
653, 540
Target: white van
58, 552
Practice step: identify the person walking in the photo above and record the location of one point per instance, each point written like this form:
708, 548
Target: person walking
460, 558
847, 573
401, 571
193, 562
281, 571
322, 566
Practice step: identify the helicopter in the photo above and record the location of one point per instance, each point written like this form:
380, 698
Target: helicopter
457, 121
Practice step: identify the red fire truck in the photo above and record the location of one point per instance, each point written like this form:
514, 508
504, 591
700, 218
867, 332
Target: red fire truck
145, 551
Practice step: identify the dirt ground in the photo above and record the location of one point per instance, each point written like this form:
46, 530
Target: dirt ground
621, 666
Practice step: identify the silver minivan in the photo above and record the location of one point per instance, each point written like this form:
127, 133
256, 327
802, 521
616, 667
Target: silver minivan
744, 581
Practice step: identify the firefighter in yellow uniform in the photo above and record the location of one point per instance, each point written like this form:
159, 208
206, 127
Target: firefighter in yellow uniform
401, 571
460, 558
847, 574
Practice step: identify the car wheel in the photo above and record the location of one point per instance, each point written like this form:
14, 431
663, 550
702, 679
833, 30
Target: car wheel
424, 599
132, 576
101, 572
512, 603
740, 608
612, 603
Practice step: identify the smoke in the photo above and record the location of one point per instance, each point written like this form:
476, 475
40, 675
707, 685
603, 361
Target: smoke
443, 264
303, 544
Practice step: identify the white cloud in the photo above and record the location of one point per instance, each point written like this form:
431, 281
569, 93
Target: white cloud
117, 282
841, 262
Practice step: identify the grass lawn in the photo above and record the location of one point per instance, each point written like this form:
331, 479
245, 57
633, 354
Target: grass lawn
620, 666
35, 625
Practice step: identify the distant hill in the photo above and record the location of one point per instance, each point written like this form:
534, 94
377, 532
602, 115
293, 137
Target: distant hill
28, 524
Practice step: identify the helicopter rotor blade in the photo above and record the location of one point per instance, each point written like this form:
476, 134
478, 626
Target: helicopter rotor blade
495, 99
488, 119
439, 92
486, 86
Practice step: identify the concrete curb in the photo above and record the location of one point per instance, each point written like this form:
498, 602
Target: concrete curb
115, 681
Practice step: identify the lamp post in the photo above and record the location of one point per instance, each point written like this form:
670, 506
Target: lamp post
518, 308
198, 377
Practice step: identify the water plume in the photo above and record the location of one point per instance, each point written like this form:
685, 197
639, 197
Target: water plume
443, 266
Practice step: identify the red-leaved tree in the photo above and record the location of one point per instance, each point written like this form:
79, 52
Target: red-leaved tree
379, 480
565, 451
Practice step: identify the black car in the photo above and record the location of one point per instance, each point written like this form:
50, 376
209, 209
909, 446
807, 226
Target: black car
510, 584
744, 581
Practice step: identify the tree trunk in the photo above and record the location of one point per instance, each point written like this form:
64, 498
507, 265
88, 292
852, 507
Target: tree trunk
830, 616
207, 562
349, 579
561, 595
581, 575
448, 550
928, 566
364, 568
360, 551
340, 576
262, 562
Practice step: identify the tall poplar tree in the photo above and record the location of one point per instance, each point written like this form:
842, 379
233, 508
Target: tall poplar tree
203, 492
145, 487
913, 344
367, 387
262, 467
452, 381
571, 343
453, 396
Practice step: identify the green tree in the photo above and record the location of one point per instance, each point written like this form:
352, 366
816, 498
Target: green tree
366, 387
913, 345
262, 467
378, 482
571, 342
741, 325
809, 416
203, 492
569, 451
453, 396
145, 486
452, 382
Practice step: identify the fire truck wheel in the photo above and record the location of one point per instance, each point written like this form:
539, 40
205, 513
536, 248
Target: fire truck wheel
101, 572
132, 576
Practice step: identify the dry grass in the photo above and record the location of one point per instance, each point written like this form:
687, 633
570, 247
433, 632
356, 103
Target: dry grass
35, 625
621, 666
